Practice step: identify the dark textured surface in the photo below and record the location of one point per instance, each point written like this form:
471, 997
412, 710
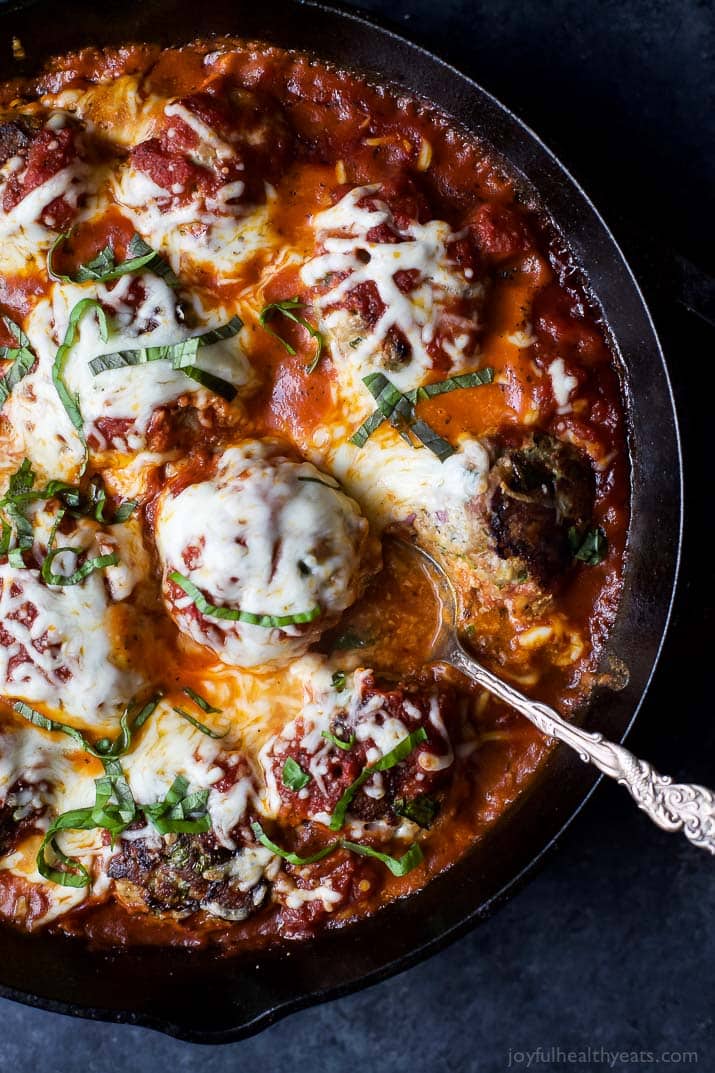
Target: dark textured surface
611, 946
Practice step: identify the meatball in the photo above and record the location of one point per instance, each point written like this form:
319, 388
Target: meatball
540, 491
210, 158
184, 873
261, 558
368, 719
56, 641
396, 291
42, 172
127, 406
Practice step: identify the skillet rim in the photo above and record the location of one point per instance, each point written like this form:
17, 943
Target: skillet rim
451, 932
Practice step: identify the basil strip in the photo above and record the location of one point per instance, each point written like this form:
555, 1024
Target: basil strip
452, 383
293, 775
40, 720
179, 812
389, 760
21, 356
69, 401
363, 434
114, 818
334, 740
429, 438
591, 547
80, 504
202, 703
286, 855
74, 874
181, 355
421, 809
399, 866
100, 562
399, 408
20, 482
287, 309
338, 681
139, 249
103, 268
233, 614
104, 748
199, 725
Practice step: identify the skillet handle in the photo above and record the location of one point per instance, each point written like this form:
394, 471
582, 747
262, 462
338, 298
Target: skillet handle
672, 806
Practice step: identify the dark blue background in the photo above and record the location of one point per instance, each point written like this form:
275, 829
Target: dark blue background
612, 944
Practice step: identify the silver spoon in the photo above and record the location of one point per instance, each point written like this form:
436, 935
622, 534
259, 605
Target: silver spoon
672, 806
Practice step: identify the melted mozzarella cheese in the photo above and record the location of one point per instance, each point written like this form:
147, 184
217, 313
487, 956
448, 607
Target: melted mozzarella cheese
130, 393
271, 537
562, 384
342, 232
118, 109
171, 746
215, 235
57, 648
396, 483
54, 779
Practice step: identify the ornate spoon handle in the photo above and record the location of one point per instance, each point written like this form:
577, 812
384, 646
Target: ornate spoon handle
672, 806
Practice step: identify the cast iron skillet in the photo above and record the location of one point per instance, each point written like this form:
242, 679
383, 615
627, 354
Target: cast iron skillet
200, 998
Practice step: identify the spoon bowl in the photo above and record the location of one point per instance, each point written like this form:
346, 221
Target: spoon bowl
672, 806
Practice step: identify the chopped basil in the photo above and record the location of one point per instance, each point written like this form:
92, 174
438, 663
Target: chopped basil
399, 866
233, 614
590, 547
11, 504
399, 408
40, 720
104, 748
287, 309
422, 809
202, 703
199, 725
429, 438
182, 356
68, 400
73, 873
179, 812
338, 681
79, 503
293, 775
452, 383
114, 817
335, 740
21, 357
363, 434
103, 268
100, 562
395, 756
286, 855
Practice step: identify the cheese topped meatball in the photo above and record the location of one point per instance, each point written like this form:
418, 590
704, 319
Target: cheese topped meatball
42, 172
273, 548
56, 638
397, 292
207, 164
122, 398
